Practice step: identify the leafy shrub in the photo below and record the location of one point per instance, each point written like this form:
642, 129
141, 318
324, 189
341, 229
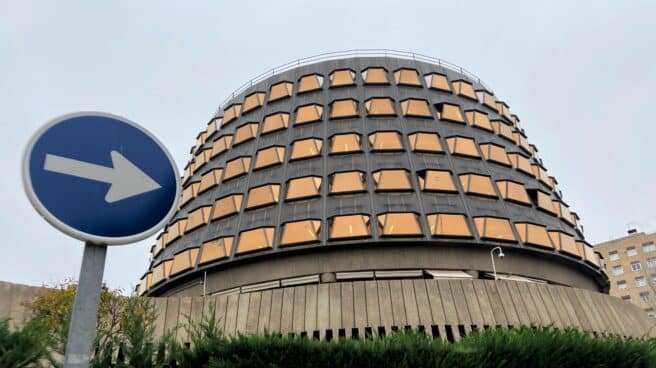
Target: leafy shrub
25, 347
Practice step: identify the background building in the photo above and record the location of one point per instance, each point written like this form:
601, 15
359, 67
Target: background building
347, 182
631, 265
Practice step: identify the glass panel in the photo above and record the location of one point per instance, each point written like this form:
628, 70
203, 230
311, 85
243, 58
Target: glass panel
305, 187
227, 206
591, 256
437, 81
392, 180
494, 153
253, 101
544, 202
479, 120
342, 77
399, 224
345, 143
487, 99
245, 132
184, 260
462, 146
385, 141
449, 112
256, 239
449, 225
478, 185
231, 113
494, 228
520, 163
416, 108
300, 232
210, 179
310, 83
349, 227
198, 217
264, 195
533, 234
375, 76
425, 142
188, 193
407, 77
541, 174
306, 148
280, 90
176, 230
565, 243
503, 130
236, 167
269, 156
308, 114
275, 122
216, 249
347, 108
465, 89
221, 145
436, 181
201, 159
347, 182
380, 106
504, 110
521, 141
513, 192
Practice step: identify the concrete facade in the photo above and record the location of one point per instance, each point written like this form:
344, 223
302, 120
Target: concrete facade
13, 302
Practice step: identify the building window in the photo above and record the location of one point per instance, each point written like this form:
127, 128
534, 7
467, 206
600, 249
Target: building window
464, 88
375, 76
184, 260
231, 113
210, 179
645, 297
188, 193
201, 159
649, 247
436, 181
477, 185
449, 225
303, 188
262, 196
503, 130
275, 122
651, 262
562, 211
449, 112
280, 90
494, 228
504, 110
269, 157
306, 148
564, 242
198, 217
309, 83
487, 99
636, 266
542, 200
437, 81
227, 206
631, 252
462, 146
347, 182
613, 256
221, 145
392, 180
342, 77
347, 108
521, 141
514, 192
533, 234
640, 281
407, 77
541, 174
621, 285
345, 143
479, 119
349, 227
520, 163
650, 312
300, 232
385, 141
255, 240
308, 114
380, 106
399, 224
425, 142
236, 167
626, 298
253, 101
176, 230
245, 133
415, 108
618, 270
495, 153
216, 249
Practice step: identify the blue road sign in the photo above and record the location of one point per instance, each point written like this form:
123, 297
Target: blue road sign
100, 178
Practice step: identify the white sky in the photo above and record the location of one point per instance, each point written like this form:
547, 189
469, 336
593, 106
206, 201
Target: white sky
580, 75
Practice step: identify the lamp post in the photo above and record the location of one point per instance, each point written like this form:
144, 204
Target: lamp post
501, 255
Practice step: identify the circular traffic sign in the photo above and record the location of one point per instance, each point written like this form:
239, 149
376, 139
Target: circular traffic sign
100, 178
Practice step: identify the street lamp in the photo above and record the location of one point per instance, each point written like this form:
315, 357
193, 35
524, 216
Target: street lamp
501, 255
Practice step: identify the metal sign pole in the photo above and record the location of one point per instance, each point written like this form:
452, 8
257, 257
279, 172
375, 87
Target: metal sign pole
82, 329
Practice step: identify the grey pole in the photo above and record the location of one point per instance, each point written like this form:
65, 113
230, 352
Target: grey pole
82, 328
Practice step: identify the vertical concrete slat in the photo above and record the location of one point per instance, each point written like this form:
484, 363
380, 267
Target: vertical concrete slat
231, 314
598, 320
373, 305
264, 313
540, 305
435, 300
221, 302
462, 309
484, 302
517, 301
335, 300
242, 313
323, 309
498, 309
423, 305
276, 311
253, 313
563, 307
398, 309
410, 303
472, 302
171, 319
159, 304
570, 302
197, 309
298, 323
360, 306
550, 305
348, 311
6, 291
385, 298
450, 313
529, 303
507, 302
287, 310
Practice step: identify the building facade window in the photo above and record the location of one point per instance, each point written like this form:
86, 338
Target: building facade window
221, 145
533, 234
514, 192
306, 148
621, 285
255, 240
613, 256
436, 181
270, 156
651, 262
449, 225
385, 141
649, 247
280, 90
274, 122
640, 281
300, 232
503, 130
236, 167
631, 252
346, 108
399, 224
216, 249
253, 101
425, 142
375, 75
464, 88
231, 113
495, 153
308, 114
449, 112
350, 227
645, 297
210, 179
437, 81
636, 266
407, 77
345, 143
342, 78
262, 196
462, 146
415, 108
391, 180
380, 106
227, 206
618, 270
494, 228
347, 182
311, 82
477, 185
479, 119
303, 188
245, 133
198, 217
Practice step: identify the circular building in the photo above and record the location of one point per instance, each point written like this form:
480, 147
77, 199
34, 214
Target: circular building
345, 171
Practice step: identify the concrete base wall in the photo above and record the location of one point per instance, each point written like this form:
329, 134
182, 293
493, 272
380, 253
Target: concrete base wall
13, 299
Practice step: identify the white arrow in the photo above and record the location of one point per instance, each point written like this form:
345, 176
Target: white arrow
127, 180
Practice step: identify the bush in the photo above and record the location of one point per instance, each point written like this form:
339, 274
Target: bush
27, 347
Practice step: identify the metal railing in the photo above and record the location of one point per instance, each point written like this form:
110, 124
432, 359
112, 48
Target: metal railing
346, 54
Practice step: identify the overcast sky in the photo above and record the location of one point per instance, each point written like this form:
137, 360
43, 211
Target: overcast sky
580, 75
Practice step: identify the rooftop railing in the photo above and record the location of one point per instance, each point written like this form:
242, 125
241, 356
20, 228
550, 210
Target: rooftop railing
347, 54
